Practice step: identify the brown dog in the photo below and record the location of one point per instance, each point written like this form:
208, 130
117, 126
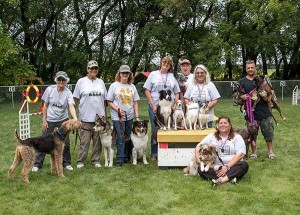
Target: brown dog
265, 92
249, 134
52, 143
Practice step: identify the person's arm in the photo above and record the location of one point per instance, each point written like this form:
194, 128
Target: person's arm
150, 100
227, 167
186, 101
211, 105
44, 123
136, 110
72, 111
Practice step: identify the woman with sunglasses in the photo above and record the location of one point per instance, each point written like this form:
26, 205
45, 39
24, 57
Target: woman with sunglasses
162, 79
90, 92
122, 99
57, 99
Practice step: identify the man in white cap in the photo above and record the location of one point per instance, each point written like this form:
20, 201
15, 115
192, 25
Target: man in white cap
185, 76
90, 92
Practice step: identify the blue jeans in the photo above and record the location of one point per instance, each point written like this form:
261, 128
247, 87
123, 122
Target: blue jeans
153, 140
122, 150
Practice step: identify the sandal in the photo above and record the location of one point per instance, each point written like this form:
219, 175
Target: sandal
271, 156
253, 156
216, 182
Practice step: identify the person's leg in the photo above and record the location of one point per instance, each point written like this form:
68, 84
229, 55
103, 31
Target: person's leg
267, 130
85, 138
237, 171
210, 174
120, 143
153, 133
96, 149
128, 128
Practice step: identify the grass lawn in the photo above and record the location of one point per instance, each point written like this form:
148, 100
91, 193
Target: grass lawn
270, 186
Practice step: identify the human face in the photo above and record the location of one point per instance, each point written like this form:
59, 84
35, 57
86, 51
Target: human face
200, 76
250, 69
92, 72
61, 82
165, 66
185, 69
224, 126
124, 77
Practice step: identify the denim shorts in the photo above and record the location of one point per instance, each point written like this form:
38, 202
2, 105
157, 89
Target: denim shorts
267, 128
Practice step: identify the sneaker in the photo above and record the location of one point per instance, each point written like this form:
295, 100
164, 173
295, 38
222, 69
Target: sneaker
216, 182
271, 156
153, 158
234, 180
34, 169
97, 165
69, 167
80, 165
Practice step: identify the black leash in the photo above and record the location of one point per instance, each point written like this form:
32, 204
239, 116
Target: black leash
220, 158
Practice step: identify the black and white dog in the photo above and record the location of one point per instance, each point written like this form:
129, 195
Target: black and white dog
139, 138
164, 109
105, 130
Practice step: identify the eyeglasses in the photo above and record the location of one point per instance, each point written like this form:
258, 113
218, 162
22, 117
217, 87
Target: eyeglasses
93, 68
61, 79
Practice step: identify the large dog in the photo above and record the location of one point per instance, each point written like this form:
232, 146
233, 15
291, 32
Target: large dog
164, 110
203, 116
249, 134
192, 115
139, 138
105, 130
207, 156
52, 143
265, 92
178, 116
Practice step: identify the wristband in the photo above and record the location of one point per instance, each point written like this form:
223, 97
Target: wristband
228, 168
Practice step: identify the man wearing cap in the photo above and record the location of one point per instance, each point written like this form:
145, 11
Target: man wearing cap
57, 98
90, 92
185, 76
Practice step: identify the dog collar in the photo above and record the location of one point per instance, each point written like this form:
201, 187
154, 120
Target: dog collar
60, 134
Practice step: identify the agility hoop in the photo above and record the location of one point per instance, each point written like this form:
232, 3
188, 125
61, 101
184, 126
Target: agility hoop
37, 94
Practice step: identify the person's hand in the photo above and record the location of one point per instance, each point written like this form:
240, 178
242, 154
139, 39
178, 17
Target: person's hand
154, 108
45, 125
222, 172
206, 110
121, 112
244, 97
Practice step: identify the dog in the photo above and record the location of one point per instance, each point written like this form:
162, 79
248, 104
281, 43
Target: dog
203, 117
238, 91
207, 156
265, 92
192, 115
139, 138
164, 110
249, 134
178, 116
52, 143
103, 126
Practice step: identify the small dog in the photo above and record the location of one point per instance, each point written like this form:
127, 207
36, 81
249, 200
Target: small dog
207, 156
105, 130
52, 143
139, 138
238, 91
203, 117
164, 110
249, 134
265, 92
178, 116
192, 115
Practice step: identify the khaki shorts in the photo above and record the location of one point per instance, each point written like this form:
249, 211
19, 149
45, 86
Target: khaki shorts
267, 128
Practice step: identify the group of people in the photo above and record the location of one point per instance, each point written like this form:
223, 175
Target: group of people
91, 97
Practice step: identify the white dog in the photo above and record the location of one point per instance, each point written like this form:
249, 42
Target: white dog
178, 115
203, 116
192, 115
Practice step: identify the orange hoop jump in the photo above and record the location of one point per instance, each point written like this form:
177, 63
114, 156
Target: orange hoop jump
37, 94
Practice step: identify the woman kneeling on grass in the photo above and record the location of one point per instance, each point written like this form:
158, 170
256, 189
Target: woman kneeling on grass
231, 149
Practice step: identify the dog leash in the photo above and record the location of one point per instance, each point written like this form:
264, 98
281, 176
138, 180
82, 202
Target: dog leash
123, 133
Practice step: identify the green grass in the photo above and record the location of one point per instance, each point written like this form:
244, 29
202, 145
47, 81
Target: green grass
270, 186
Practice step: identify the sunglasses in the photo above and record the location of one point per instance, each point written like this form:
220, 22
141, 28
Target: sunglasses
61, 79
125, 73
94, 68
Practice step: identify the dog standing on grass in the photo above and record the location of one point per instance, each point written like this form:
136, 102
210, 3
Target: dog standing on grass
139, 138
52, 143
249, 134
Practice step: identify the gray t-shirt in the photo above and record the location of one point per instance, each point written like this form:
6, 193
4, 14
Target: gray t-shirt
92, 94
203, 93
123, 96
226, 149
57, 103
158, 81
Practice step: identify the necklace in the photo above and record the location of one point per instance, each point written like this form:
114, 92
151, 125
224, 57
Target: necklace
223, 143
164, 81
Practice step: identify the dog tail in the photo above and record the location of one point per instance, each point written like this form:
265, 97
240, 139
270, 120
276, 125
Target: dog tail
17, 136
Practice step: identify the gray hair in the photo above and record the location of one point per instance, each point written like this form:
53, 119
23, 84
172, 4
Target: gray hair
207, 76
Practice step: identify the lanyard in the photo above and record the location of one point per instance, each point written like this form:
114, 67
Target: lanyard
164, 81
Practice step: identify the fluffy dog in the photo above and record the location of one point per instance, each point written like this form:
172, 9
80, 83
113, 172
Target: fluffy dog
52, 143
207, 156
164, 110
249, 134
105, 130
265, 92
139, 139
192, 115
203, 117
178, 116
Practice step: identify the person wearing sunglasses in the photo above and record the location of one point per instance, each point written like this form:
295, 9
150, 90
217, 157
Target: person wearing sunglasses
122, 98
57, 99
90, 92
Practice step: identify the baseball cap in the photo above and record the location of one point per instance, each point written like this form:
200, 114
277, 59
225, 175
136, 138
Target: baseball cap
185, 61
92, 63
61, 74
124, 68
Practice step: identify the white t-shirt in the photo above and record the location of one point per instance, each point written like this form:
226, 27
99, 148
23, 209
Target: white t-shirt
157, 82
123, 96
202, 93
226, 149
57, 103
92, 94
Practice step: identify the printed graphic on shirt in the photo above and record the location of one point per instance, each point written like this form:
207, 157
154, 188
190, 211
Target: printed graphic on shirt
95, 93
126, 96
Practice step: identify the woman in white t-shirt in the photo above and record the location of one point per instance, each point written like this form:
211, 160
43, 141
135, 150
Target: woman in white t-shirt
122, 98
231, 149
162, 79
202, 90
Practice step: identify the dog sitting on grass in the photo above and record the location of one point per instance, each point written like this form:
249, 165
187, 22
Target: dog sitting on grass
52, 143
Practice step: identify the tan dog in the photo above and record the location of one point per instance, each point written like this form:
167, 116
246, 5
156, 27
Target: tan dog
249, 134
52, 143
178, 116
207, 156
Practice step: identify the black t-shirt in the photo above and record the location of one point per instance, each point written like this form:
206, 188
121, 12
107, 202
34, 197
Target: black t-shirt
262, 110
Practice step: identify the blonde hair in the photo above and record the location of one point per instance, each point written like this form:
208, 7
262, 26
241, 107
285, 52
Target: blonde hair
207, 76
130, 78
169, 60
